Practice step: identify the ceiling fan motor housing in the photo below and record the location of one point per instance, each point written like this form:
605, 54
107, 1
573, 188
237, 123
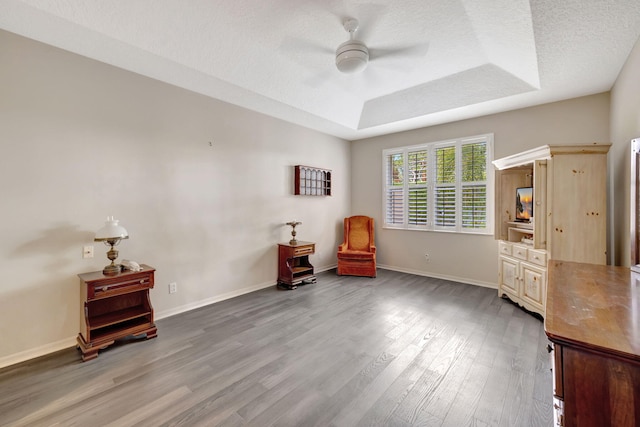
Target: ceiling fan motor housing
352, 56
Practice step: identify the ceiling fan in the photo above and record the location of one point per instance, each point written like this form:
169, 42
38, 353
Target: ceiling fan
352, 56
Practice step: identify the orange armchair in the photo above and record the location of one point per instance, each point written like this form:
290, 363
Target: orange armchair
357, 254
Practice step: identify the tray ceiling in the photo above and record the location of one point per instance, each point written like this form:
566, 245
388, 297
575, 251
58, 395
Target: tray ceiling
431, 61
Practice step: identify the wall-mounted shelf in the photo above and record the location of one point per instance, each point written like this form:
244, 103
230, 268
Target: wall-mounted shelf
310, 181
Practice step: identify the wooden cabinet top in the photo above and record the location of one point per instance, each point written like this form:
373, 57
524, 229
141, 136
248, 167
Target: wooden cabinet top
97, 275
300, 243
547, 152
595, 307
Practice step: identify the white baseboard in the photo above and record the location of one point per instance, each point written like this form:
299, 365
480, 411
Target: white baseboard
440, 276
321, 269
32, 353
198, 304
43, 350
192, 306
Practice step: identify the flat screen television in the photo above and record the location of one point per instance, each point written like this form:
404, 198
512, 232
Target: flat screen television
524, 204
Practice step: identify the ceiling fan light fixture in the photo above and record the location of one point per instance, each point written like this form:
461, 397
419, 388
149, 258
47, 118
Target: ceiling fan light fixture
352, 56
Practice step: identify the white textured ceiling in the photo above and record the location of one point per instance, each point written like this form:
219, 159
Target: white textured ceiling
433, 61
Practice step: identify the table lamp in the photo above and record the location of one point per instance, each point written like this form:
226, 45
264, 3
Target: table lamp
111, 234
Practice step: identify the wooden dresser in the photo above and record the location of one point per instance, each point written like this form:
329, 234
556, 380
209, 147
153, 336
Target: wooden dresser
593, 322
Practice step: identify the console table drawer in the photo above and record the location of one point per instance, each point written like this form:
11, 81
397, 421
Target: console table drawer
106, 289
302, 250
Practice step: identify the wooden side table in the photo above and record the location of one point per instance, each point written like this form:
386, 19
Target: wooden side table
114, 307
294, 267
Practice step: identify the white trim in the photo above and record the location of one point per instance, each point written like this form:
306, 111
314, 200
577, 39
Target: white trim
546, 152
523, 158
611, 194
202, 303
40, 351
199, 304
464, 280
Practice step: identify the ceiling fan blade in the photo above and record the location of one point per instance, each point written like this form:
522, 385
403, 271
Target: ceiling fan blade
296, 45
319, 79
415, 51
312, 56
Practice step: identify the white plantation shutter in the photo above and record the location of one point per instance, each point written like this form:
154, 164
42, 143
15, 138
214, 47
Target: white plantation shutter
440, 186
395, 206
417, 206
474, 185
394, 189
445, 206
474, 206
445, 187
417, 186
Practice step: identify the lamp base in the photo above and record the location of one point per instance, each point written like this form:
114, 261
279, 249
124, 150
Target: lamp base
112, 270
293, 224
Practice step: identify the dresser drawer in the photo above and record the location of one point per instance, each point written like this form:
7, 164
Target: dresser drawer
520, 252
504, 248
105, 289
538, 257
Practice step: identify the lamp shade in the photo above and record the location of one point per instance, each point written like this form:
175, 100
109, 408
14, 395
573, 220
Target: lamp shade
111, 230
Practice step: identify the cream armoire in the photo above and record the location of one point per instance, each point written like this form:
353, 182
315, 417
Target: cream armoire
569, 220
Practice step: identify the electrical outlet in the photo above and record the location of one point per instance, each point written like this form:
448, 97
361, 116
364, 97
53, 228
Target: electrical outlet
173, 287
427, 258
87, 252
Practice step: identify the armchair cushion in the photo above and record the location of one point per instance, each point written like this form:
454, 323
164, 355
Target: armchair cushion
349, 254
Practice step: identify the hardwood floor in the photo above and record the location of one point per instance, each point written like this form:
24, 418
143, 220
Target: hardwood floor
398, 350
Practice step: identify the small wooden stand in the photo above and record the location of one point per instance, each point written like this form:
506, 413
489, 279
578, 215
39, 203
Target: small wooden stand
294, 267
114, 307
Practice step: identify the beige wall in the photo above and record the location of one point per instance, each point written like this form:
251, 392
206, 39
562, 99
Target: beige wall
469, 258
625, 126
80, 140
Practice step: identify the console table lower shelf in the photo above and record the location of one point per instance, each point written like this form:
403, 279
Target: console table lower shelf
294, 267
114, 307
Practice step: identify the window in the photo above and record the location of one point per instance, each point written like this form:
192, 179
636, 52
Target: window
442, 186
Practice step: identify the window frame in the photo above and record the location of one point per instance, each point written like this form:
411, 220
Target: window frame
431, 186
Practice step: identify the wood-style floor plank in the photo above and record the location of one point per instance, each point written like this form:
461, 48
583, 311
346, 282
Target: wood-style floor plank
397, 350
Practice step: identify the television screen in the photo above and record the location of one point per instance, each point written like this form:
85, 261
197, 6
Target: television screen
524, 204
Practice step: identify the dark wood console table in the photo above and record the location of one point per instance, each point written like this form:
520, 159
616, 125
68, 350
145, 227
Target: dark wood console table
114, 307
593, 321
294, 267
